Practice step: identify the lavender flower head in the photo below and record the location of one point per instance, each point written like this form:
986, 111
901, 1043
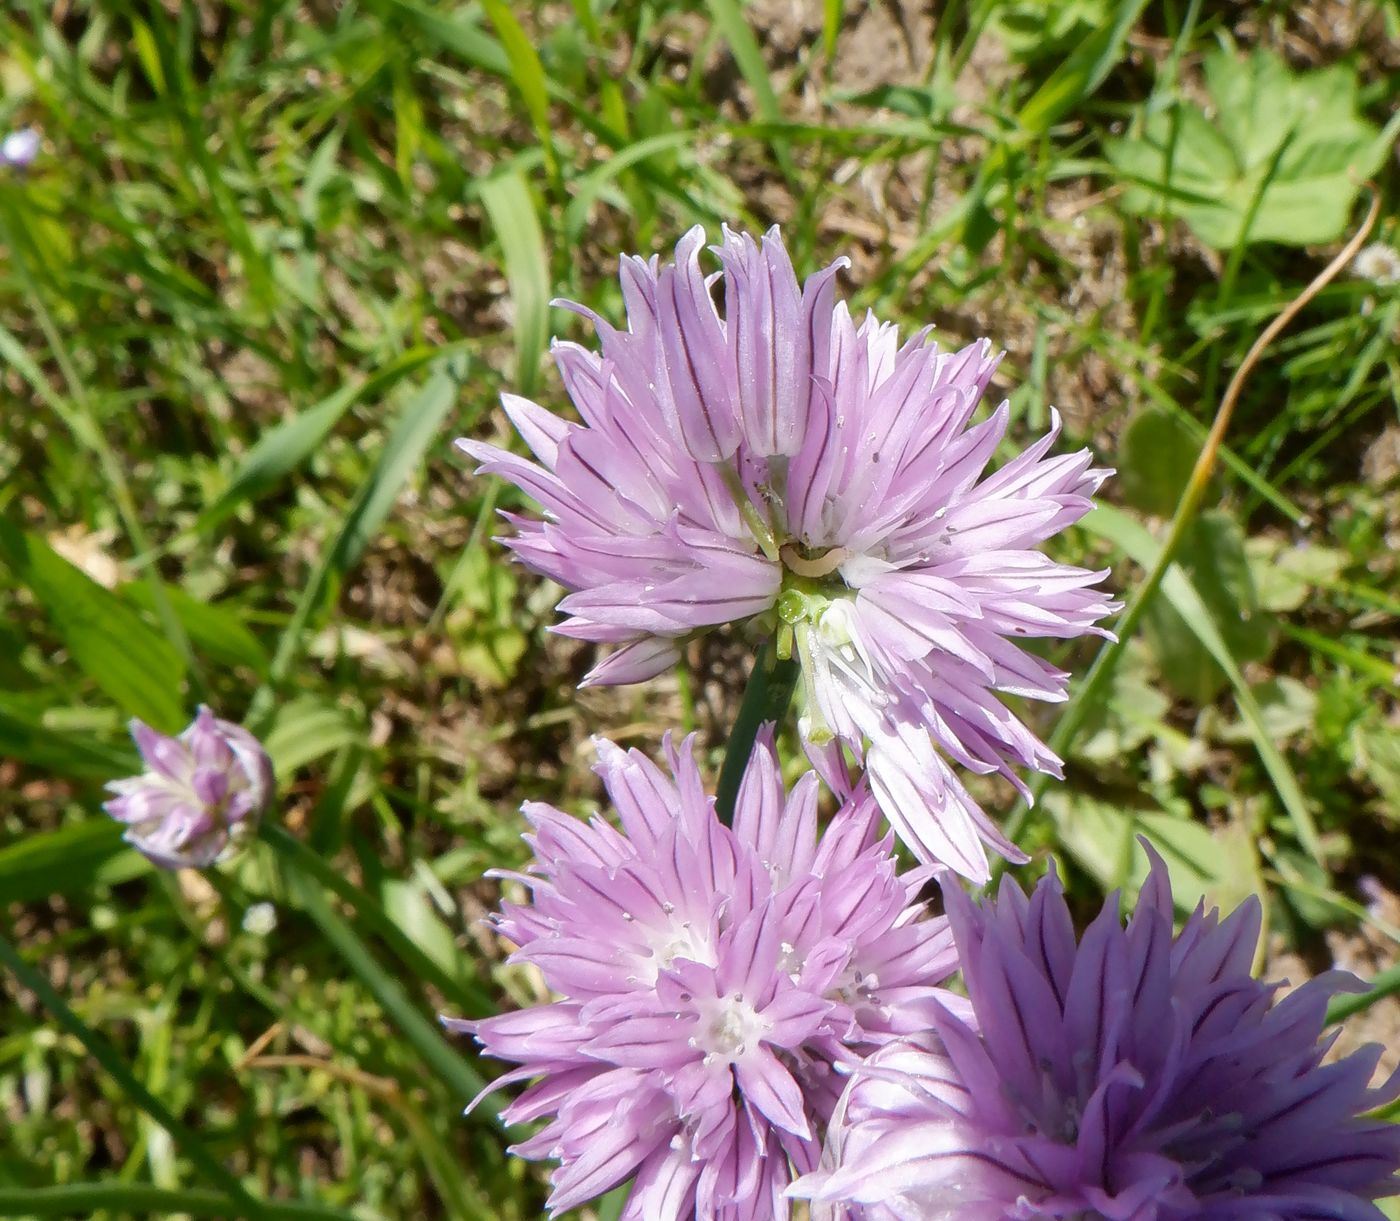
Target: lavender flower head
19, 148
708, 981
201, 795
1131, 1077
786, 462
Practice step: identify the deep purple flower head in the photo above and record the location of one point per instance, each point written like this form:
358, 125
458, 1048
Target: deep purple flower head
1131, 1077
19, 148
781, 460
709, 979
201, 794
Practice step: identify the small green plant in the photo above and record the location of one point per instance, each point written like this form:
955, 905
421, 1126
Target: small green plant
1277, 156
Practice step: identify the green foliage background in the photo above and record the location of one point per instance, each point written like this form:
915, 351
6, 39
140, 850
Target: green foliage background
274, 256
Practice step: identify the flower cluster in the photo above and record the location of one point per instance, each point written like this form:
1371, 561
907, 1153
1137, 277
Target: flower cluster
711, 979
748, 1002
790, 463
202, 793
753, 1012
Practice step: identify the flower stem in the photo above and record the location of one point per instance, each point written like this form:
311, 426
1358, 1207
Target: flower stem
1094, 687
766, 698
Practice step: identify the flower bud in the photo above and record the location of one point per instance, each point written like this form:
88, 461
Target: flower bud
201, 795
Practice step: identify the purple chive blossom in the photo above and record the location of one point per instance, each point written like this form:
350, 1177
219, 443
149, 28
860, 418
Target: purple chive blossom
786, 462
19, 149
708, 979
1132, 1076
200, 795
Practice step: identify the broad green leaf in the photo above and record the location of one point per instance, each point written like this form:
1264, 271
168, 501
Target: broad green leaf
216, 629
105, 636
307, 729
1287, 707
1155, 462
1102, 839
67, 861
1212, 554
408, 906
1375, 751
62, 752
1285, 574
1307, 888
1132, 715
1034, 30
1278, 157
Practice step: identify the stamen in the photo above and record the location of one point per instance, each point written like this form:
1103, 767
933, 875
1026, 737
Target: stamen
823, 566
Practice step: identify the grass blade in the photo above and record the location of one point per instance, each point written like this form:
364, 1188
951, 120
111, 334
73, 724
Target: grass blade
511, 207
295, 855
216, 629
137, 1199
1134, 540
112, 1063
729, 18
404, 448
283, 448
1387, 983
528, 74
412, 433
423, 1035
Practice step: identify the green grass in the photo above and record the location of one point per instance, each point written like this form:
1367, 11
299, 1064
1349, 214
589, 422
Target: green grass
274, 256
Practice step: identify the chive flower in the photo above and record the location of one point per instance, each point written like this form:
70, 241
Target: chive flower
782, 462
1130, 1076
708, 981
201, 795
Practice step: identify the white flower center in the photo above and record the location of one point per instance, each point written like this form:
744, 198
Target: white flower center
677, 939
730, 1029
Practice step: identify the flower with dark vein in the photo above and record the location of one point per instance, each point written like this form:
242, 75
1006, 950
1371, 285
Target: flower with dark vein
1128, 1076
709, 979
784, 462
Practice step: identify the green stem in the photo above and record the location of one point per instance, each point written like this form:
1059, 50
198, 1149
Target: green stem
107, 1056
84, 1199
766, 698
1094, 687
